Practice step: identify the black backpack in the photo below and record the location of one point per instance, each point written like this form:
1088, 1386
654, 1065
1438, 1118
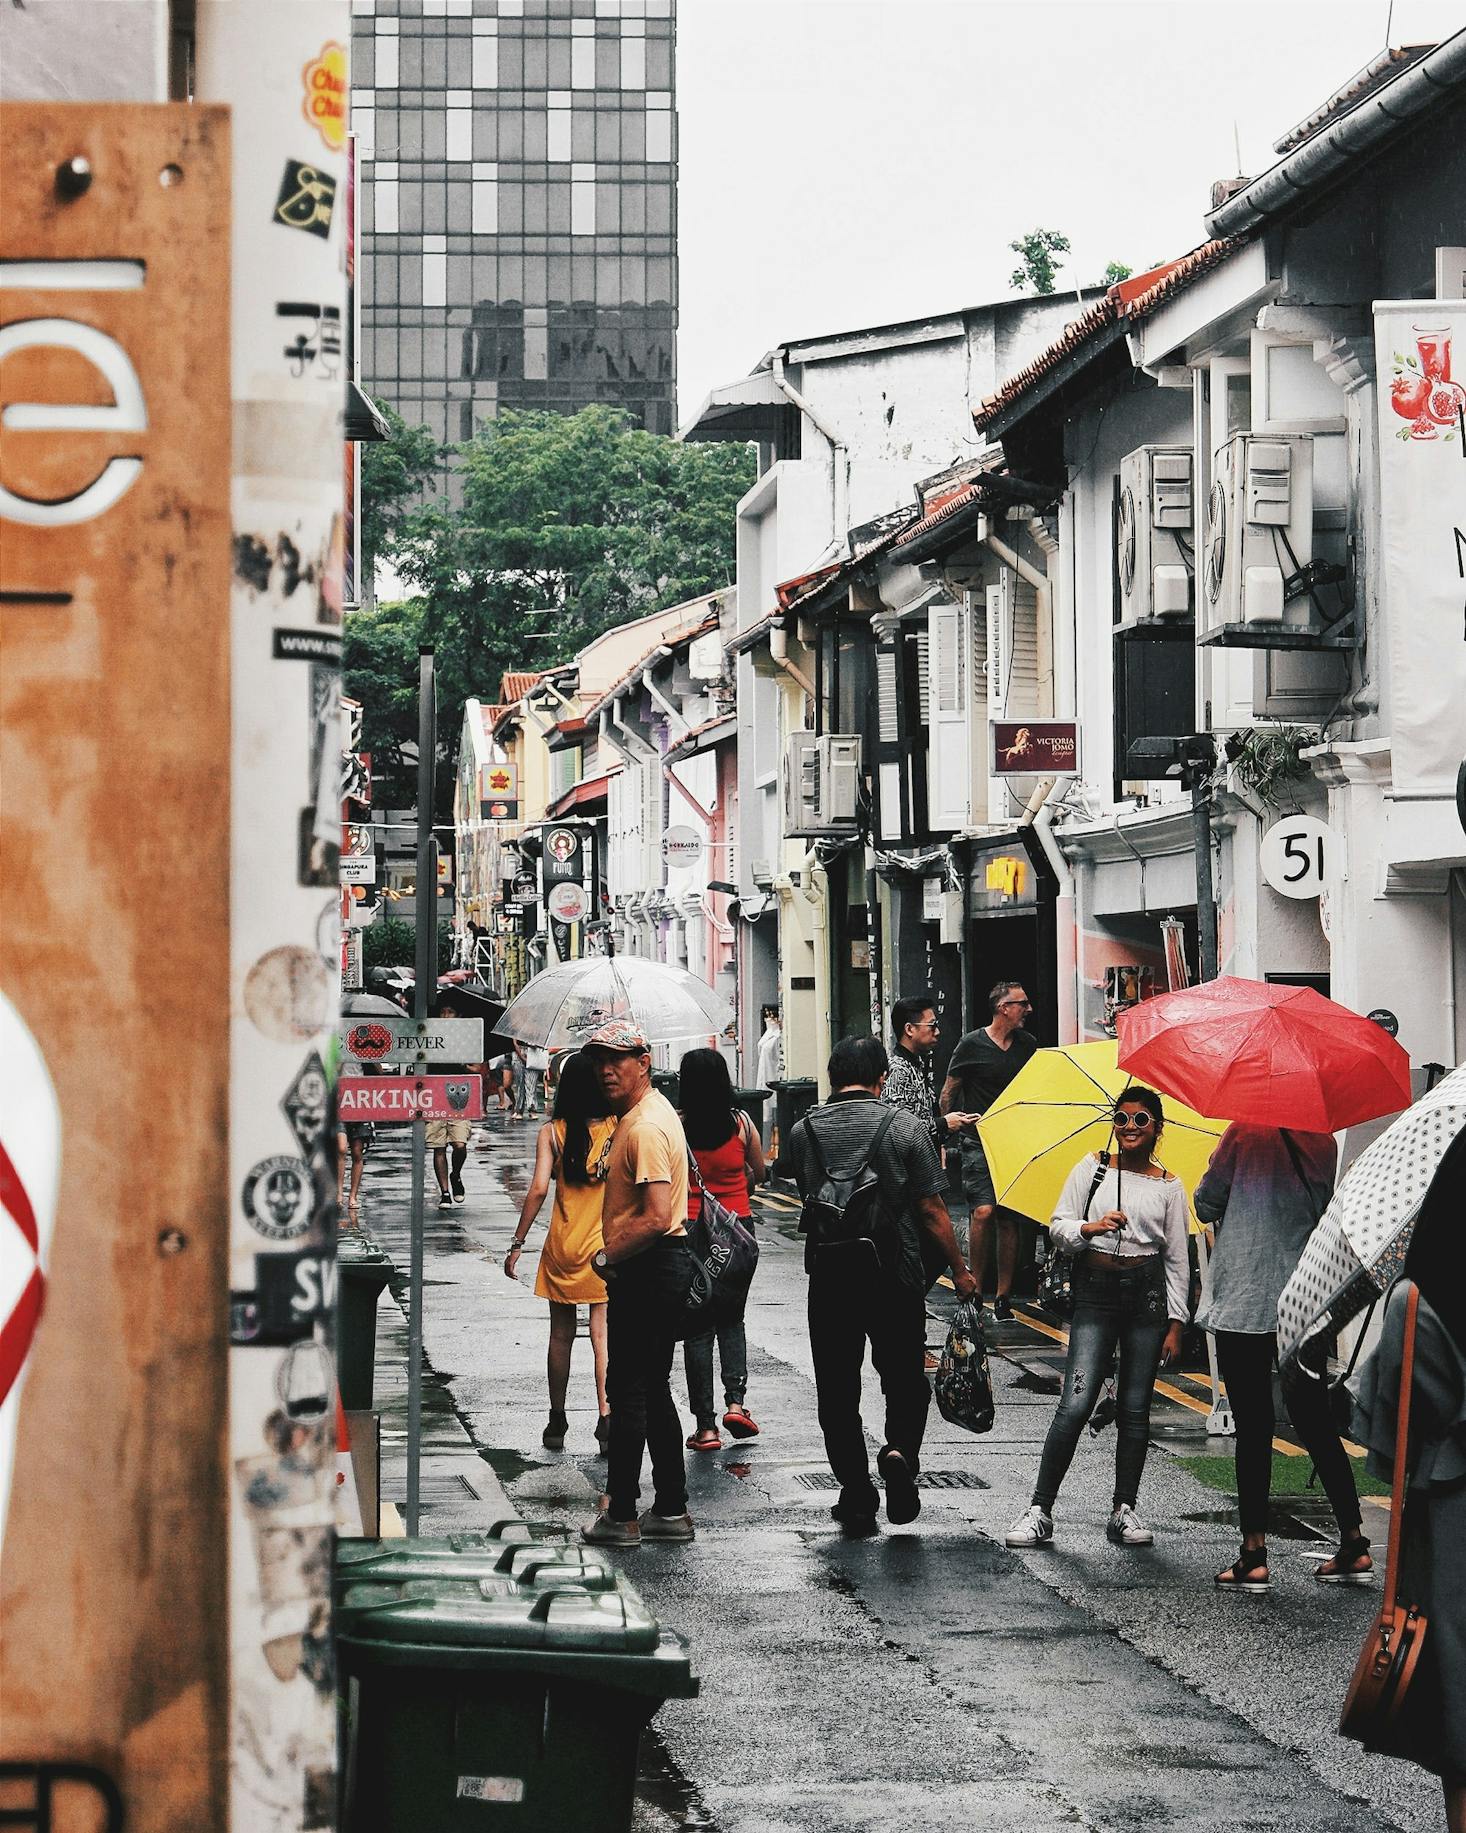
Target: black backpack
844, 1219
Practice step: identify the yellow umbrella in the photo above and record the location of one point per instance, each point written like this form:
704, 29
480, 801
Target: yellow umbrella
1057, 1108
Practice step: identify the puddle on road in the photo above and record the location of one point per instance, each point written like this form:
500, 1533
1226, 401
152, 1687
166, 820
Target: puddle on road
508, 1466
738, 1470
666, 1801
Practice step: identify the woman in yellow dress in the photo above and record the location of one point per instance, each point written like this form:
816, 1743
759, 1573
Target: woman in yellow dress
572, 1152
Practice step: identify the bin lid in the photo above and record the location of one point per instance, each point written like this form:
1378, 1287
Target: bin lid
537, 1565
455, 1614
354, 1249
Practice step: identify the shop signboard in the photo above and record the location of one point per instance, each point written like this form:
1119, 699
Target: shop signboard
433, 1040
115, 568
1422, 547
568, 903
562, 855
1033, 747
498, 792
404, 1098
359, 869
682, 846
1298, 856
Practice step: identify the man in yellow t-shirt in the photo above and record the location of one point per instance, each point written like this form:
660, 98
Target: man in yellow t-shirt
647, 1269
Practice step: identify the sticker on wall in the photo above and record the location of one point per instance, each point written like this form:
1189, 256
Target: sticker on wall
288, 994
315, 349
307, 198
278, 1198
324, 105
321, 646
305, 1104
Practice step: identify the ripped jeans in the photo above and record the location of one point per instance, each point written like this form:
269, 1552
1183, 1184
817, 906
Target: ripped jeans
1125, 1309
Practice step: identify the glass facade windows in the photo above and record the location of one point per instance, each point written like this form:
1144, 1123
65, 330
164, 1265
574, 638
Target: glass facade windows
519, 216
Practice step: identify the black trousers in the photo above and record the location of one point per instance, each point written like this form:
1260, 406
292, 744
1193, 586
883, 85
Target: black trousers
644, 1297
848, 1308
1245, 1363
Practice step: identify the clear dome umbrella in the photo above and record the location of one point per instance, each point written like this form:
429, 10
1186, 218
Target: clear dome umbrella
560, 1007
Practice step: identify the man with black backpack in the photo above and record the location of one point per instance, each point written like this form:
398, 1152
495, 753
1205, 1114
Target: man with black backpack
872, 1188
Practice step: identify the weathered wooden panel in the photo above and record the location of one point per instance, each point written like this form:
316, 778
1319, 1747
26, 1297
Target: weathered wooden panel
114, 924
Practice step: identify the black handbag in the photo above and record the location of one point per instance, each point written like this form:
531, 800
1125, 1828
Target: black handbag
1056, 1281
724, 1253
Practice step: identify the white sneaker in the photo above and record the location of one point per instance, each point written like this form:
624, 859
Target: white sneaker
1126, 1529
1033, 1528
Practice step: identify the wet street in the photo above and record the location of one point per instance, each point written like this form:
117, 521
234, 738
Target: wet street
928, 1678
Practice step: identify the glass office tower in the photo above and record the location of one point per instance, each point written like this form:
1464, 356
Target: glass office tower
519, 207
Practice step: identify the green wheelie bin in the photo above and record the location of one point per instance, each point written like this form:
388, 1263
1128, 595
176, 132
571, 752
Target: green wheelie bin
506, 1686
362, 1271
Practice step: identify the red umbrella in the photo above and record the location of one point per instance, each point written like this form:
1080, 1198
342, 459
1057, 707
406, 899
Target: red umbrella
1276, 1056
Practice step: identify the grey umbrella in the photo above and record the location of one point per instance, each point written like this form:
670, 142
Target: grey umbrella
369, 1005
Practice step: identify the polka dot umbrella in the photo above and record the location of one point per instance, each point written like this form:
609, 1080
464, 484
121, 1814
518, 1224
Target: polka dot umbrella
1360, 1243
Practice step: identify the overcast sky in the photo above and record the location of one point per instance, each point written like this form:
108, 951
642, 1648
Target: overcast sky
855, 162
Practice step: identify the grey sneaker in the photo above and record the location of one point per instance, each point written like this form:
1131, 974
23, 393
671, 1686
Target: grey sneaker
667, 1527
1033, 1528
604, 1532
1126, 1529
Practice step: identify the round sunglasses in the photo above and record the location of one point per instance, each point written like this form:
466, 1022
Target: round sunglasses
1139, 1120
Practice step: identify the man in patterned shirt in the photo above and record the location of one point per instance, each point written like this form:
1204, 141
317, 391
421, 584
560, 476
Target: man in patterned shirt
914, 1033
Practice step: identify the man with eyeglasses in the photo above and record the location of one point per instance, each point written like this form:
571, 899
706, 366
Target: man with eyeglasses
982, 1066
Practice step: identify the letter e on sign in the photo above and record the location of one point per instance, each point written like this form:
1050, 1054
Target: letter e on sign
1298, 856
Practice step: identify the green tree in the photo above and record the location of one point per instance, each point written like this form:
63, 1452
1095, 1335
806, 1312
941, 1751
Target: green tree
1036, 251
1115, 272
569, 524
394, 474
379, 668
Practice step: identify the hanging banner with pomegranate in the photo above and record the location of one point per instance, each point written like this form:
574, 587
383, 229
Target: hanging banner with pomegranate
1422, 463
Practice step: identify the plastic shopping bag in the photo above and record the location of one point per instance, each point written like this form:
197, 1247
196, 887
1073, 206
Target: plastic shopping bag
964, 1387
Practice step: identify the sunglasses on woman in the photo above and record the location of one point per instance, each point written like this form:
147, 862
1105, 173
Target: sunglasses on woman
1139, 1120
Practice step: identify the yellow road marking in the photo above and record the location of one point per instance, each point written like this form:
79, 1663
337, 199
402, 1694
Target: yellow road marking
1173, 1393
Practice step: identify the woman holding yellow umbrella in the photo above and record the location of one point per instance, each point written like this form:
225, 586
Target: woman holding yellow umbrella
1123, 1216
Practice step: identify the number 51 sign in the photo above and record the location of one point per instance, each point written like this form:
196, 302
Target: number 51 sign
1298, 856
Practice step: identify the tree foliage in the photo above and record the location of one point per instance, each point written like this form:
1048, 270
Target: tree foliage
1115, 272
560, 526
1036, 267
379, 668
394, 474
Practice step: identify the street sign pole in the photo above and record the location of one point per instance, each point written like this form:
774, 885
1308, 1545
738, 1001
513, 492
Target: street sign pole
425, 981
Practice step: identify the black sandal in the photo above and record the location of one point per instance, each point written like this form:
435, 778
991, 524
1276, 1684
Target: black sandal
1241, 1575
1356, 1547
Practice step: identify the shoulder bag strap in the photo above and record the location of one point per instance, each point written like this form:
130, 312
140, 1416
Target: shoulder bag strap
1301, 1174
1099, 1173
1402, 1439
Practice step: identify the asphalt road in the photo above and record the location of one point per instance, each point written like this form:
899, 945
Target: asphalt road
928, 1678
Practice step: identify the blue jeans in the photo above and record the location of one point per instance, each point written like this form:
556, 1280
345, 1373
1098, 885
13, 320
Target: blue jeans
1124, 1309
697, 1359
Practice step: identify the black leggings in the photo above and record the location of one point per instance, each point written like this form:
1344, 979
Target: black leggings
1246, 1364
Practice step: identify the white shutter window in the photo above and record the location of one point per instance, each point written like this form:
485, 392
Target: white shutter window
947, 723
887, 721
923, 679
651, 825
997, 648
1021, 695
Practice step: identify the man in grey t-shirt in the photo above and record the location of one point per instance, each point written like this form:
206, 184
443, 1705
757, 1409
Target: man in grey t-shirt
854, 1299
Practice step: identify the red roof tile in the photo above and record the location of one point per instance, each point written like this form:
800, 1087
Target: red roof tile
516, 684
1130, 301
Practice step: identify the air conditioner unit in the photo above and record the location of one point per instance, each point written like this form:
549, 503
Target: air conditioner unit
1153, 534
821, 784
1259, 532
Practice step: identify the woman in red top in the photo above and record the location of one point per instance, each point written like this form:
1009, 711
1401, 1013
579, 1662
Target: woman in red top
729, 1155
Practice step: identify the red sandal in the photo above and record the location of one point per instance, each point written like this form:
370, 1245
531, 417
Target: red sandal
706, 1440
738, 1422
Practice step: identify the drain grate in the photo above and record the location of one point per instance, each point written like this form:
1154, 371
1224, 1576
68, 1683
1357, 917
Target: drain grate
450, 1488
929, 1479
